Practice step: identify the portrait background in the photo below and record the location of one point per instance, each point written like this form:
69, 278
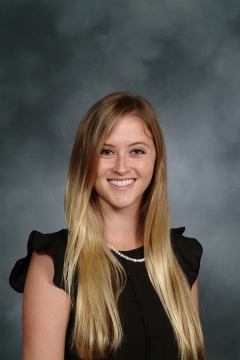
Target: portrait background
57, 59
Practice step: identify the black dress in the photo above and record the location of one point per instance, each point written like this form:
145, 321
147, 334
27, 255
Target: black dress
148, 333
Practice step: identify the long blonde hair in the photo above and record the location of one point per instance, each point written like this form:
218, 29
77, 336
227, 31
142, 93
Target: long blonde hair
100, 277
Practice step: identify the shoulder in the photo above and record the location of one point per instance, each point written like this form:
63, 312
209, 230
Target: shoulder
188, 252
46, 306
53, 244
42, 241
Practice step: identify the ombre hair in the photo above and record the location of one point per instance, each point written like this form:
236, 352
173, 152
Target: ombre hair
100, 277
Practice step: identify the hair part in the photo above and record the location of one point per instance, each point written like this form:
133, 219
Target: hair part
101, 278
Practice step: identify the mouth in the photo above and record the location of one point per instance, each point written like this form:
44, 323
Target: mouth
121, 183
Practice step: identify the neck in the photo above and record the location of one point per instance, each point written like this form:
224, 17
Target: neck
122, 229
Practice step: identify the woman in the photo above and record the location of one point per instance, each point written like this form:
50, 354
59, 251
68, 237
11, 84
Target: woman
116, 284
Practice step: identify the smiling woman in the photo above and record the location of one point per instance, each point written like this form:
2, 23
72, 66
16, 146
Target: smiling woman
118, 283
125, 167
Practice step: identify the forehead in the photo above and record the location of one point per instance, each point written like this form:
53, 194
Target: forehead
130, 125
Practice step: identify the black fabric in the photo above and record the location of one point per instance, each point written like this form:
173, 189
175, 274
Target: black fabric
148, 334
54, 244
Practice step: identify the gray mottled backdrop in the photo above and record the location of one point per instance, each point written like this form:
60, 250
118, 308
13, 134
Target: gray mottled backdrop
60, 56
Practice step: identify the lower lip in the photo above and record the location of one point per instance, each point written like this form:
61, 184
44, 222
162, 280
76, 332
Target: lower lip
126, 187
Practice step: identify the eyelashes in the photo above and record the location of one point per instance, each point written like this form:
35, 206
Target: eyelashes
106, 152
136, 151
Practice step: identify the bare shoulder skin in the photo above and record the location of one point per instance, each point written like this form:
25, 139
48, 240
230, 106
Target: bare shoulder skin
46, 312
194, 294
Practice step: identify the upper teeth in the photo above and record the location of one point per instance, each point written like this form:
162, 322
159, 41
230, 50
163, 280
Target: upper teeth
121, 183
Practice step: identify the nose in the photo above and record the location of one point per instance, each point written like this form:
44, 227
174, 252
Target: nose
121, 165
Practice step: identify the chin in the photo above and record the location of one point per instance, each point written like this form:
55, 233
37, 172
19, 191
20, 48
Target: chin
125, 204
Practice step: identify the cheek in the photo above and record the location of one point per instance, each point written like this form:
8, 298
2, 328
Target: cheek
97, 175
147, 167
150, 175
149, 171
100, 176
100, 169
103, 166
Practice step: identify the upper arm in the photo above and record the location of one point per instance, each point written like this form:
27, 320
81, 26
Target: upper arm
194, 295
46, 311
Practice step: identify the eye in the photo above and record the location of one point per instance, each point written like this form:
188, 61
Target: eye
106, 152
138, 151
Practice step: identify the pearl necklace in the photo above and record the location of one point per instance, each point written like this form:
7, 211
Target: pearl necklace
124, 256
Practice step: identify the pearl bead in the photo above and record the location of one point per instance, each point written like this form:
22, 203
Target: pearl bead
124, 256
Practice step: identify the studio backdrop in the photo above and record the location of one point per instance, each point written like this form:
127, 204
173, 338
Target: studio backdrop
58, 57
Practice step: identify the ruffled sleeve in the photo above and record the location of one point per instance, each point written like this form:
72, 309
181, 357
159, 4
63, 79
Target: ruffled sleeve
53, 244
188, 251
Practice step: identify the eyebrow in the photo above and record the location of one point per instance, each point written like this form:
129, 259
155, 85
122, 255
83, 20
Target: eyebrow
133, 144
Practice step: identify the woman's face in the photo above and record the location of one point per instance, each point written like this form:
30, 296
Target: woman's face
125, 165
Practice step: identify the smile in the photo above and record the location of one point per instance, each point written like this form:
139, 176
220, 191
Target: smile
121, 183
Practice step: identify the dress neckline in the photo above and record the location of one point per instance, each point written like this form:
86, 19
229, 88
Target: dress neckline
137, 253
